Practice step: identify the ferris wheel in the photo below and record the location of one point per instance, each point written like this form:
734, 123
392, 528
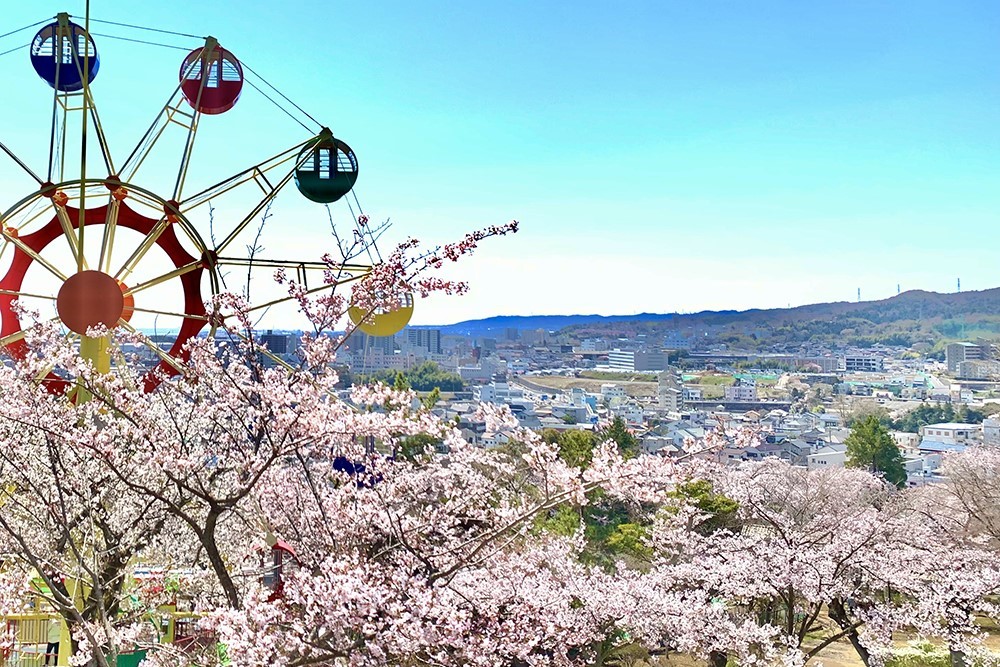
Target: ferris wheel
94, 239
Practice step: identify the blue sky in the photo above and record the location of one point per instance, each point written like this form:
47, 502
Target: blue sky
661, 156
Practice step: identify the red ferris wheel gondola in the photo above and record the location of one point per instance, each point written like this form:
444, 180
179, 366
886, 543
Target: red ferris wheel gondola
211, 79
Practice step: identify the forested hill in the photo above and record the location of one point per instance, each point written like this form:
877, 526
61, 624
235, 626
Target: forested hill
912, 316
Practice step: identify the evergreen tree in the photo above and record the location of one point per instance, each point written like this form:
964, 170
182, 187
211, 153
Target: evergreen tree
618, 431
870, 446
400, 383
431, 399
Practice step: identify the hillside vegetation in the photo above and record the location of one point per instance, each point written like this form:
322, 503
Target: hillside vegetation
916, 317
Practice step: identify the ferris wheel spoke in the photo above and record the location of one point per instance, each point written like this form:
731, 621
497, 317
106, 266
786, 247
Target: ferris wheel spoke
163, 120
108, 239
302, 269
156, 349
12, 338
254, 212
255, 173
15, 293
48, 368
56, 145
44, 371
211, 47
188, 316
267, 353
71, 237
102, 140
20, 163
32, 254
289, 299
170, 275
186, 156
147, 244
19, 335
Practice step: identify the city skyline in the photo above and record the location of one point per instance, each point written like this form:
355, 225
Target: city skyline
660, 157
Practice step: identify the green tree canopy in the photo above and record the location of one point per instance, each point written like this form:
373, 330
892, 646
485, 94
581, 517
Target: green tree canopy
424, 377
720, 510
871, 447
576, 448
618, 431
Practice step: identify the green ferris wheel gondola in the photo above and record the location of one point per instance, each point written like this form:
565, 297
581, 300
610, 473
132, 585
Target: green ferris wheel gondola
327, 170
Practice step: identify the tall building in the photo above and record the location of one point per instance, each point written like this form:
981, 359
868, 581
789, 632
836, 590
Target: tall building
668, 391
276, 343
956, 353
360, 342
427, 340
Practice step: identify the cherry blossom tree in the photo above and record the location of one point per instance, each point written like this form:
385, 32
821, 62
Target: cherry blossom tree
803, 548
275, 505
944, 571
431, 558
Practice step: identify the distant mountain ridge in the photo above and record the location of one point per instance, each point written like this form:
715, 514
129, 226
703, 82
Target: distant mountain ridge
980, 310
494, 325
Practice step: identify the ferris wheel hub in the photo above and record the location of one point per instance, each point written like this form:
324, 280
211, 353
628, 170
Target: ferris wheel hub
90, 298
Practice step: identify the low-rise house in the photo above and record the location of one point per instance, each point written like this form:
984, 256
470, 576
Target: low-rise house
831, 456
928, 446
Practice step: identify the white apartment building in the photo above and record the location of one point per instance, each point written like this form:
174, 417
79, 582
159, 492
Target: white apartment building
637, 360
864, 363
517, 366
669, 398
951, 432
496, 392
741, 391
612, 391
978, 370
691, 394
630, 412
593, 345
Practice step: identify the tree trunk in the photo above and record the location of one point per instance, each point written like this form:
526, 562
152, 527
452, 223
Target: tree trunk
207, 538
717, 659
957, 657
838, 612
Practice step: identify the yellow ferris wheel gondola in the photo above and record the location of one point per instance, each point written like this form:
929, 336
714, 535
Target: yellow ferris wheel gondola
384, 320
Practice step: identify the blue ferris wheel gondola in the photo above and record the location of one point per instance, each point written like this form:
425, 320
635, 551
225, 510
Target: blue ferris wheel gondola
59, 53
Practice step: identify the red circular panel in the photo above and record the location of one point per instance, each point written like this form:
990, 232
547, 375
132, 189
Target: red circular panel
89, 298
194, 307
